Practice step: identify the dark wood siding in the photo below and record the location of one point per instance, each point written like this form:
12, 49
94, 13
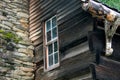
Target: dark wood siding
73, 26
35, 24
35, 29
108, 67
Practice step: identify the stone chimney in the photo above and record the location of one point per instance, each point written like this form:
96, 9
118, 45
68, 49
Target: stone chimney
16, 49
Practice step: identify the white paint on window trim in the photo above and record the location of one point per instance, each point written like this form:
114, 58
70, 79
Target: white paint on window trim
47, 67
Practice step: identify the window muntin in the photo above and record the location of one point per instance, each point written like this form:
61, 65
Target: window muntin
52, 53
51, 29
51, 38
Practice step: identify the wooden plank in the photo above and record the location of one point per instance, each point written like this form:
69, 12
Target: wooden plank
38, 41
71, 21
35, 25
34, 18
35, 7
107, 73
73, 44
66, 5
38, 53
45, 4
38, 29
35, 34
74, 64
32, 2
74, 50
34, 14
73, 26
114, 65
68, 15
50, 6
35, 37
55, 10
52, 10
68, 11
74, 33
108, 69
67, 8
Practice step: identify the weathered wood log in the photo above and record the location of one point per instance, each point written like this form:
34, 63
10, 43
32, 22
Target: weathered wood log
70, 68
108, 69
111, 18
99, 10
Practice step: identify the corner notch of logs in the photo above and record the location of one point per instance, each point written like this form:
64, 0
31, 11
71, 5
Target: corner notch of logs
111, 20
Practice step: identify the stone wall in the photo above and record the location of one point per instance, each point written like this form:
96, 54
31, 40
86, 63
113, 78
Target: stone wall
16, 50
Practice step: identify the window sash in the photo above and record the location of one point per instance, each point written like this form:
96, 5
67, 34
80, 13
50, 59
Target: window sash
52, 52
50, 30
53, 60
51, 42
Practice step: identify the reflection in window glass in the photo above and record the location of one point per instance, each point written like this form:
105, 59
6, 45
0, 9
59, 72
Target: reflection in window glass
56, 57
54, 33
54, 22
48, 24
50, 49
50, 60
48, 36
55, 46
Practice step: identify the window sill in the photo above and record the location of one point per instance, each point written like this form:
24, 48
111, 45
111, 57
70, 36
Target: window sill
52, 67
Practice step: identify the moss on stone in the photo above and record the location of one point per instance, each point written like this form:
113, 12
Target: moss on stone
9, 36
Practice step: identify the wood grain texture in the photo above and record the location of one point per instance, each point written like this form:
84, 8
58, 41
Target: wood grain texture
70, 68
108, 69
73, 26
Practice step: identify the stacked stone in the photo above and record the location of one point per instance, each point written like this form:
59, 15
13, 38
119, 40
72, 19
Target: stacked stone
15, 64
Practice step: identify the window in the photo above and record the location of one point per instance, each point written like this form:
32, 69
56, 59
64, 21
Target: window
51, 44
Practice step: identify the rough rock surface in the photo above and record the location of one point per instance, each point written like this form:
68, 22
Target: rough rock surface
16, 50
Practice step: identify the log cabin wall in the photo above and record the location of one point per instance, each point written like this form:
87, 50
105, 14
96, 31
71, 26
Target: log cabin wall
35, 28
108, 68
73, 26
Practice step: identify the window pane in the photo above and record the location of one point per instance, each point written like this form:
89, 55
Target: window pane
50, 49
50, 60
55, 46
48, 25
48, 36
56, 57
54, 33
54, 22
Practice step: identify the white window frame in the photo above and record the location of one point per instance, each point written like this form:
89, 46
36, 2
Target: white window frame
47, 67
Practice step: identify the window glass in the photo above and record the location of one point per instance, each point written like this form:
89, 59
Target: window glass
54, 22
48, 26
56, 57
50, 60
50, 49
51, 43
54, 33
48, 36
55, 46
